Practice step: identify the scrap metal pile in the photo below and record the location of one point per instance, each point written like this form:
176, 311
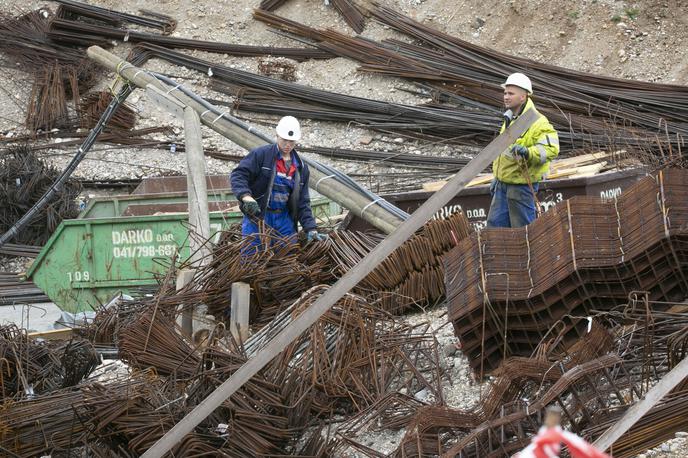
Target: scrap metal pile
59, 73
354, 355
411, 278
24, 178
506, 288
594, 381
30, 368
358, 371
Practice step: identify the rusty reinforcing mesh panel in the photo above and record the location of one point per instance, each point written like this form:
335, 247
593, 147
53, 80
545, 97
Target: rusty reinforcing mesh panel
413, 274
506, 288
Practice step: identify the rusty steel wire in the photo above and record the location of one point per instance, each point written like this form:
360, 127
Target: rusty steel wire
24, 178
92, 107
29, 368
59, 73
507, 287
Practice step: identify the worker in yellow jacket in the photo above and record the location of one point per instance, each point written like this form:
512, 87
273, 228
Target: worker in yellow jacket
520, 168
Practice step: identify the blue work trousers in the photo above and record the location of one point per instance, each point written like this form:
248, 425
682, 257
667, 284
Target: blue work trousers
513, 205
281, 222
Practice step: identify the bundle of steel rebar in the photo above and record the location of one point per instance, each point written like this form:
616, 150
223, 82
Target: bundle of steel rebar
58, 72
23, 179
584, 103
151, 19
30, 368
15, 291
413, 274
350, 12
65, 30
507, 287
15, 249
93, 105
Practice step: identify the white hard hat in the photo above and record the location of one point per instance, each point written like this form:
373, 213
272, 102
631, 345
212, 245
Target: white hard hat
519, 80
288, 128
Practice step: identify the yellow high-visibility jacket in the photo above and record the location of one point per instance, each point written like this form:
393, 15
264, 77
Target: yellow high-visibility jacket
542, 142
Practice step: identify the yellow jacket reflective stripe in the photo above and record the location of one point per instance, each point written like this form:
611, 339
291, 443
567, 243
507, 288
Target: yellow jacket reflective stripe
542, 142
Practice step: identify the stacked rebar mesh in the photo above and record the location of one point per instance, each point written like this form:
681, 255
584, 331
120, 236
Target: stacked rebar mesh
507, 287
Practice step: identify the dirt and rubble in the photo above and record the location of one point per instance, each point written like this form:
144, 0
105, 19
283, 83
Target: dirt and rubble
615, 38
629, 39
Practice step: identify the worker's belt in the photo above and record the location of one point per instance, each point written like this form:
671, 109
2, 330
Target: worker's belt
270, 210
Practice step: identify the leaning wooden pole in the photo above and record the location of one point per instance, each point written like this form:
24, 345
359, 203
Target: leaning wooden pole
360, 205
292, 331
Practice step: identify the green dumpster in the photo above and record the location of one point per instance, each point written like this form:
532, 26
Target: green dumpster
140, 204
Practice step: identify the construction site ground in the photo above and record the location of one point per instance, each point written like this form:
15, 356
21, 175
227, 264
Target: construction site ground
639, 40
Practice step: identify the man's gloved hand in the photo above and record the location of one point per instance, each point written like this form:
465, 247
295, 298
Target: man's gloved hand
249, 206
315, 236
520, 150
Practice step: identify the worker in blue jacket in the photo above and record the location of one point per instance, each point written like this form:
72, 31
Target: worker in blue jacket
271, 183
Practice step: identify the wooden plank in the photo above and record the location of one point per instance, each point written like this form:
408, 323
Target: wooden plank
53, 334
637, 410
184, 277
335, 292
559, 168
238, 319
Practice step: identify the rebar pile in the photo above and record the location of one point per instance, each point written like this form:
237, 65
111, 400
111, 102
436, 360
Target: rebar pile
93, 106
350, 12
278, 274
432, 428
507, 287
354, 355
24, 178
594, 381
79, 24
58, 72
148, 18
30, 368
14, 290
413, 274
598, 109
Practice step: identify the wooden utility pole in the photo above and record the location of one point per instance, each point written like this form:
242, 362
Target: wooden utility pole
196, 188
197, 192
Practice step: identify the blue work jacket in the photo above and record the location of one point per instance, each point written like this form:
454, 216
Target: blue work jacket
255, 176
